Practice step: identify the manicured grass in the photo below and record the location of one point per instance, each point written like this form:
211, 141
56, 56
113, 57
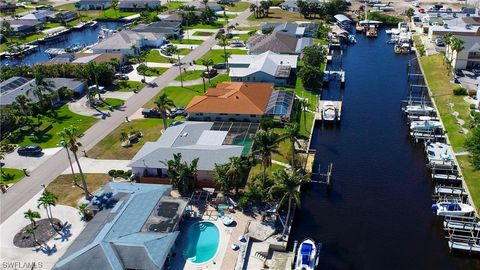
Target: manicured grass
173, 5
50, 25
111, 102
191, 75
10, 175
155, 56
186, 41
47, 136
39, 3
155, 71
471, 178
278, 15
70, 7
110, 147
215, 25
257, 169
70, 195
22, 40
238, 6
203, 34
126, 86
97, 14
217, 55
184, 51
181, 96
15, 12
439, 83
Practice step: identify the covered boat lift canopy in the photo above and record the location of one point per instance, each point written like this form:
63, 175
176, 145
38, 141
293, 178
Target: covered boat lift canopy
368, 22
342, 19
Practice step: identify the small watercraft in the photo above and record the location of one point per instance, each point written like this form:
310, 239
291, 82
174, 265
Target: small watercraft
425, 125
329, 111
418, 109
307, 255
452, 209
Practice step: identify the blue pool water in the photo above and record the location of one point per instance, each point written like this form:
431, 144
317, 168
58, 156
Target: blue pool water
203, 239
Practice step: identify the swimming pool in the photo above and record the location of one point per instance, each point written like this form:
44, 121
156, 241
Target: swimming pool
203, 239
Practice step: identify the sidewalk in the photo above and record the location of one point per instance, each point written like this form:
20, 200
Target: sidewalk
90, 165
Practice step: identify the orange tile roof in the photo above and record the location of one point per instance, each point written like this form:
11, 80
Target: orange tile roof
233, 98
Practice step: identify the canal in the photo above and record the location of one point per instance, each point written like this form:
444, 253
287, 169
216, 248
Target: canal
377, 214
86, 36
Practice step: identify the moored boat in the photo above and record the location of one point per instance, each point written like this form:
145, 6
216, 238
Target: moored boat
307, 255
452, 209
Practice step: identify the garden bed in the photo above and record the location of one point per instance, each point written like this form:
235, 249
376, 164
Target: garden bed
43, 232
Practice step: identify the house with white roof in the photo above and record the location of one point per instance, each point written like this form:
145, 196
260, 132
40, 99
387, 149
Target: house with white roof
40, 15
126, 42
271, 67
192, 140
94, 4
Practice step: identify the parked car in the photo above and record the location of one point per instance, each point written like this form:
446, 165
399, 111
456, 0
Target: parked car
213, 72
237, 43
120, 76
220, 66
151, 113
439, 42
415, 4
166, 46
29, 150
421, 10
126, 69
221, 31
180, 111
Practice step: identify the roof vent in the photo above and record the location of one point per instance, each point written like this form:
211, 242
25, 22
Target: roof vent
281, 62
445, 26
468, 26
184, 134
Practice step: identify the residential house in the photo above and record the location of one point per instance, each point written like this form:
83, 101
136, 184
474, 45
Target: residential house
16, 86
138, 232
291, 5
168, 28
7, 6
237, 101
84, 58
469, 56
138, 5
192, 140
65, 16
129, 42
25, 26
172, 17
94, 4
269, 67
199, 5
301, 29
40, 15
285, 39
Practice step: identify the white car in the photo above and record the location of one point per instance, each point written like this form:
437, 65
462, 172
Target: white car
166, 46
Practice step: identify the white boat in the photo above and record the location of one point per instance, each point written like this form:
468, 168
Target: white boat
329, 111
307, 255
452, 209
425, 125
418, 109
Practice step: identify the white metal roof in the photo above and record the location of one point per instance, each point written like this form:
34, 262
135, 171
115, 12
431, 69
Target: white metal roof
267, 62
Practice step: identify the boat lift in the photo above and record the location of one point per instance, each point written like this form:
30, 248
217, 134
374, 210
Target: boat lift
325, 178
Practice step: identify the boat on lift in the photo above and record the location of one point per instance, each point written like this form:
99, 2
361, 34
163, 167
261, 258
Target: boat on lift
329, 112
307, 255
425, 124
452, 209
418, 110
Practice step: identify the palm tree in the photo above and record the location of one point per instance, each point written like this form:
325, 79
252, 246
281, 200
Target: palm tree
164, 103
265, 143
40, 88
235, 173
208, 63
30, 231
31, 216
70, 136
74, 180
93, 69
304, 103
220, 177
23, 103
287, 187
174, 50
223, 41
292, 133
181, 174
47, 200
114, 6
254, 9
84, 211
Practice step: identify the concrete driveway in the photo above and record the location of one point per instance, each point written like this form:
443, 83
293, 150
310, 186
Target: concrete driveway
14, 160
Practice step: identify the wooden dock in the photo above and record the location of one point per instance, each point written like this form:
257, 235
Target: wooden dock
321, 105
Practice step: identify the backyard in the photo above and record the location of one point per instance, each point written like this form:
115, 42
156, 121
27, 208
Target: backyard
51, 123
70, 195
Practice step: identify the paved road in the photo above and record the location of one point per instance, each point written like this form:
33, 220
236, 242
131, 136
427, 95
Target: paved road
21, 192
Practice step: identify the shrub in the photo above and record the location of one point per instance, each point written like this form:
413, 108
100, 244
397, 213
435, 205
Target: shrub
243, 202
460, 91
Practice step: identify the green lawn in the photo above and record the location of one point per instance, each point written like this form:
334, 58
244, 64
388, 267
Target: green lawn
184, 51
97, 14
191, 75
155, 71
70, 7
471, 178
39, 3
278, 15
111, 102
238, 6
173, 5
23, 40
126, 86
439, 83
217, 55
16, 11
215, 25
47, 134
203, 34
10, 175
50, 25
110, 147
155, 56
186, 41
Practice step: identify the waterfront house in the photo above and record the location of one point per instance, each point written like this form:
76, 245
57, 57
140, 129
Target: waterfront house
84, 58
291, 5
301, 29
199, 5
25, 26
469, 56
40, 15
284, 40
168, 28
138, 5
124, 42
238, 101
65, 16
135, 227
16, 86
94, 4
269, 67
192, 140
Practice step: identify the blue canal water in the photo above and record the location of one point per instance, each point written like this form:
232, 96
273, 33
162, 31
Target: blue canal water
377, 214
87, 36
